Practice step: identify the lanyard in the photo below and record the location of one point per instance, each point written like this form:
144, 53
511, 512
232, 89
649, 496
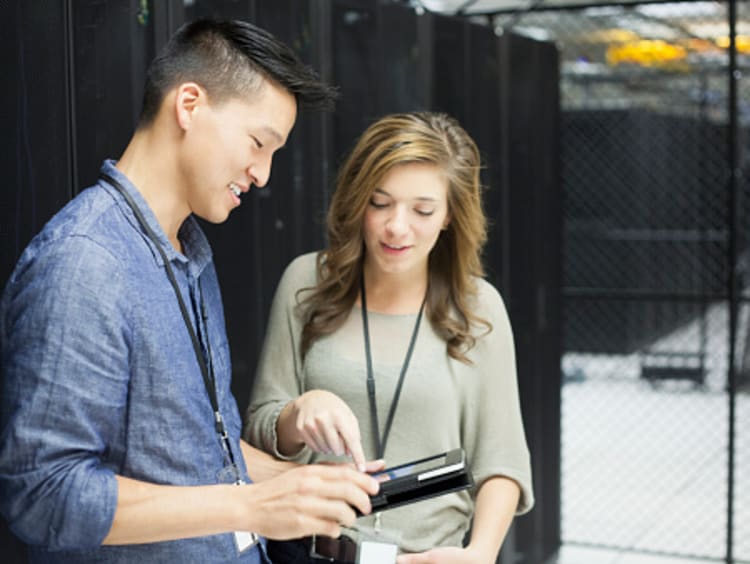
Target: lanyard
380, 444
206, 370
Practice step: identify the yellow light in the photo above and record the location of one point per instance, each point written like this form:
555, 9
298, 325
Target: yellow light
646, 52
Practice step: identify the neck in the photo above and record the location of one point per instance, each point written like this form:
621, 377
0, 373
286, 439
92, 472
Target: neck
395, 293
148, 162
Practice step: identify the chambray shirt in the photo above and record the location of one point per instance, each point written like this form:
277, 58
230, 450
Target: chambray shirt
99, 377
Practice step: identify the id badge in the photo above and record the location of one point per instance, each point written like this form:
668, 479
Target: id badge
377, 546
372, 552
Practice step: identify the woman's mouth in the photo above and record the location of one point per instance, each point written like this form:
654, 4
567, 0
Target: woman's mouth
394, 249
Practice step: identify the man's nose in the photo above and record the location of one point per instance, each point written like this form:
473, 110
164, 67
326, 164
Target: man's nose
260, 172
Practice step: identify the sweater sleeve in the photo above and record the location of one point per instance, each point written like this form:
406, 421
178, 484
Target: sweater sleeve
278, 379
493, 433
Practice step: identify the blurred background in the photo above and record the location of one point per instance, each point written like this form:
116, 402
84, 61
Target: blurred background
616, 140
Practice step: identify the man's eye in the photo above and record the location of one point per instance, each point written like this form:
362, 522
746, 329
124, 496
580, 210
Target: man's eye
258, 144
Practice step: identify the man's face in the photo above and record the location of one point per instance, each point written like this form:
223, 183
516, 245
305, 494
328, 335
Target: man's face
229, 147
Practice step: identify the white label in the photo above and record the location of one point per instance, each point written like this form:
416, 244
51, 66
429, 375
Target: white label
377, 553
244, 540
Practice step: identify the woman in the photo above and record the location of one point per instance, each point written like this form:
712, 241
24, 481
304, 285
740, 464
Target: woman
397, 303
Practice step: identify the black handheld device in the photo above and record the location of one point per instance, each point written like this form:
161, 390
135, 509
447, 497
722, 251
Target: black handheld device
422, 479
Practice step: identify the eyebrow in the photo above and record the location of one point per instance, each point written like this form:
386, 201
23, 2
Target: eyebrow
421, 198
275, 134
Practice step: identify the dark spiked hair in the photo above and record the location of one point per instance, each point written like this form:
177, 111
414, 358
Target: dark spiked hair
230, 59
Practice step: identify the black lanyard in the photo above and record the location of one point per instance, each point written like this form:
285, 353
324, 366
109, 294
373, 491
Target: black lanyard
206, 370
380, 445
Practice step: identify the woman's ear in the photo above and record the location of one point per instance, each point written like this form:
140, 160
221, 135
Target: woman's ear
188, 99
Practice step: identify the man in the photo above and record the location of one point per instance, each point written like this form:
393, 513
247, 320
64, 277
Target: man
120, 436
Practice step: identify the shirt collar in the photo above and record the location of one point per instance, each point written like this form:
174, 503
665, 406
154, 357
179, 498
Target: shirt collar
197, 251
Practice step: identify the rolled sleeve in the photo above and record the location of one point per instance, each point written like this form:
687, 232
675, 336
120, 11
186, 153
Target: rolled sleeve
65, 385
493, 432
279, 375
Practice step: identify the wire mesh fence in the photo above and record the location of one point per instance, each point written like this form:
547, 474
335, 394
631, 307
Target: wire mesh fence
650, 246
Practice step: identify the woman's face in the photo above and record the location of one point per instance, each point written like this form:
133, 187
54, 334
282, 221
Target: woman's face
404, 218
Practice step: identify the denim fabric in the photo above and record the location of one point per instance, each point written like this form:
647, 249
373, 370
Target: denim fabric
99, 378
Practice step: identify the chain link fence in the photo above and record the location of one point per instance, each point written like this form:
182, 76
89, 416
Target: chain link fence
649, 247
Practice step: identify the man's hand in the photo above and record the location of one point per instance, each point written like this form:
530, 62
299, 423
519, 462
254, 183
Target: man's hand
310, 500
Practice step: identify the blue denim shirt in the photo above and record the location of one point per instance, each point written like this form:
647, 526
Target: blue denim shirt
99, 377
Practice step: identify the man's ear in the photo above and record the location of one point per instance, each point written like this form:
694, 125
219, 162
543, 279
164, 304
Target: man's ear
188, 98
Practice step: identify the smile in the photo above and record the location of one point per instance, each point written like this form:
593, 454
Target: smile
236, 190
394, 249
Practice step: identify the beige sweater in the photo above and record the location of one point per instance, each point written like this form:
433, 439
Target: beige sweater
444, 403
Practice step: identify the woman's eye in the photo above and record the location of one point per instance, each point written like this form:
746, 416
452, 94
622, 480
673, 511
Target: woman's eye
425, 213
378, 205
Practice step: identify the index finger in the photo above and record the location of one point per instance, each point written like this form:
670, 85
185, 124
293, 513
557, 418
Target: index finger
354, 447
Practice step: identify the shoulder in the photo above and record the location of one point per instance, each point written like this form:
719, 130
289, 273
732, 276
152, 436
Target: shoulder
71, 246
89, 223
302, 270
85, 245
299, 274
489, 304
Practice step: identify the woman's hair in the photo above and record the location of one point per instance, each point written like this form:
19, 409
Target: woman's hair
455, 260
229, 58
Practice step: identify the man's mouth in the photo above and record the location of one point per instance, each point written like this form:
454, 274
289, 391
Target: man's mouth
235, 188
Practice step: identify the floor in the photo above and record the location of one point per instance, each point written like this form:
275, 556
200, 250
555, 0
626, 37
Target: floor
645, 465
585, 555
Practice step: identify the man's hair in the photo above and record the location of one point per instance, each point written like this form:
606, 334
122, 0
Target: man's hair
230, 59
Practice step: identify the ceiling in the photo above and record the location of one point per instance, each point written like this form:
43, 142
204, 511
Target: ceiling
493, 6
625, 51
699, 28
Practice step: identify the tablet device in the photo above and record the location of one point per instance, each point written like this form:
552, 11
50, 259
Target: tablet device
422, 479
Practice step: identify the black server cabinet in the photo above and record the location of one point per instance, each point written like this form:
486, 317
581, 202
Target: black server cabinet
35, 122
380, 58
530, 269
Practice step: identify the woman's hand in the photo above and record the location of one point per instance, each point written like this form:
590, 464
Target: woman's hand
445, 555
323, 422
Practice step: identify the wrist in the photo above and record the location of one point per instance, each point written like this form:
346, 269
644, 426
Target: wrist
288, 441
480, 554
239, 507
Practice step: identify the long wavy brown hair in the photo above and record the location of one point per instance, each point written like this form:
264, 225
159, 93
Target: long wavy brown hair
397, 139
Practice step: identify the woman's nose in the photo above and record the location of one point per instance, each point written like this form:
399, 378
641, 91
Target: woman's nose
397, 222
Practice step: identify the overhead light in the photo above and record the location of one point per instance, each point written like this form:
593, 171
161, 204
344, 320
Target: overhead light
603, 11
538, 33
682, 10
